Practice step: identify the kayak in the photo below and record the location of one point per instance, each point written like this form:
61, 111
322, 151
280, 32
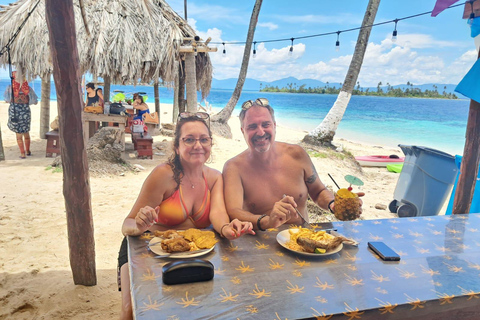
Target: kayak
378, 161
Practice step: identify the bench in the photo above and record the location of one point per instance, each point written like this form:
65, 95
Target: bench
142, 142
53, 144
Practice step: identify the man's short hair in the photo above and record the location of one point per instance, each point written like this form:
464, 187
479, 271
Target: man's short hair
261, 102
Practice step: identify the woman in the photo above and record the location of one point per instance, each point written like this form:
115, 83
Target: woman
93, 100
180, 194
139, 105
19, 114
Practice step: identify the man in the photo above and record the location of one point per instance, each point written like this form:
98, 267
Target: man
257, 179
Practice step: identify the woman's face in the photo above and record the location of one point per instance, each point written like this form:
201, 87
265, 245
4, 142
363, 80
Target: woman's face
197, 153
138, 99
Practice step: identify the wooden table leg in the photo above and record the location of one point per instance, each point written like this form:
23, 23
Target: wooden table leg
121, 126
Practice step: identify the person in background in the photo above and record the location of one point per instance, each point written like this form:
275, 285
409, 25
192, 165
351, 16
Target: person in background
140, 106
180, 194
93, 99
275, 168
19, 114
99, 93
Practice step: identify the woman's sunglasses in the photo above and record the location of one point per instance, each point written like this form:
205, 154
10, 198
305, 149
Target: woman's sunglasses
263, 102
200, 115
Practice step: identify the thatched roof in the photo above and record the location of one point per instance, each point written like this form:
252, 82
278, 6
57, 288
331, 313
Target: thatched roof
130, 41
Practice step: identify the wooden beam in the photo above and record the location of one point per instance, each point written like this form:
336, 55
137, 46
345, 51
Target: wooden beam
45, 107
76, 190
470, 161
191, 82
191, 48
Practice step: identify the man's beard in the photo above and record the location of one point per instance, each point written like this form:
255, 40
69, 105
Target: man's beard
266, 139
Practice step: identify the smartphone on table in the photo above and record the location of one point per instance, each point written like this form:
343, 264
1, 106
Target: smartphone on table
384, 252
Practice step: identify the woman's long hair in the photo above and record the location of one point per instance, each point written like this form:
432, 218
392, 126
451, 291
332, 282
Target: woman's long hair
174, 160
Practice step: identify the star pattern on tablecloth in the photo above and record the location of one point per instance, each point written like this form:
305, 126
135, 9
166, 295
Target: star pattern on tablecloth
320, 316
187, 302
387, 307
220, 271
397, 235
444, 298
243, 268
380, 290
415, 303
321, 299
149, 276
454, 268
291, 288
429, 271
250, 308
227, 296
275, 265
352, 313
259, 293
323, 286
301, 263
353, 281
279, 253
472, 230
441, 248
377, 222
297, 273
236, 280
379, 278
406, 274
151, 305
261, 246
225, 258
351, 258
470, 293
231, 247
375, 238
265, 236
352, 267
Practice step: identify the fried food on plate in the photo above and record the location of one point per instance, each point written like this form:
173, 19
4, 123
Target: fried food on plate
189, 240
307, 240
310, 245
178, 244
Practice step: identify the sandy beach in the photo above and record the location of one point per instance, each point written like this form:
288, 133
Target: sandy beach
35, 276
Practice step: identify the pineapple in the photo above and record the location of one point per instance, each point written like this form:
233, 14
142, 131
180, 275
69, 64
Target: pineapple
347, 205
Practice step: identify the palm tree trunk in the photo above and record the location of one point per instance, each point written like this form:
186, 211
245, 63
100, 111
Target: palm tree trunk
223, 116
176, 96
106, 88
45, 107
2, 152
324, 133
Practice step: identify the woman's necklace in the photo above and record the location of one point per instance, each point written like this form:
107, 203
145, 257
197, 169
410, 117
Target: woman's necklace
191, 183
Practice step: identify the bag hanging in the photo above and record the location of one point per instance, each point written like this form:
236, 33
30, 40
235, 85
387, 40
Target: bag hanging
137, 126
117, 108
151, 118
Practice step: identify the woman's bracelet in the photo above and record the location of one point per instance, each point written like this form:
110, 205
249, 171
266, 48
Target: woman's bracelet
329, 204
259, 227
221, 229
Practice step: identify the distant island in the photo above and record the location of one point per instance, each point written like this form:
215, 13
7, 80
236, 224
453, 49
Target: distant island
386, 91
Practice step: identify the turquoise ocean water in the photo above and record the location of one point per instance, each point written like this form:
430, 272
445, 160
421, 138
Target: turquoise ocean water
435, 123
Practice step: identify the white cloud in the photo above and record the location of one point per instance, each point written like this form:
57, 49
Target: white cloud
421, 41
269, 25
344, 18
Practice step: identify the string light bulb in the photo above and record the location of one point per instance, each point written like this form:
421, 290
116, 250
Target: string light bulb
195, 51
224, 53
290, 52
337, 44
472, 14
394, 34
254, 50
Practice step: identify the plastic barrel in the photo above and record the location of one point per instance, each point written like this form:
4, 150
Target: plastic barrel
425, 182
475, 205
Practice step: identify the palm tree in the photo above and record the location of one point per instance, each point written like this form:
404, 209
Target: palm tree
219, 121
324, 133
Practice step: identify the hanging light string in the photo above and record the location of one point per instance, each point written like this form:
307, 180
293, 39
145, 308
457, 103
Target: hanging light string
340, 31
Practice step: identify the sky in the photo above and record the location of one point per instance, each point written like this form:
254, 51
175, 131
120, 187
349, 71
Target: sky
428, 49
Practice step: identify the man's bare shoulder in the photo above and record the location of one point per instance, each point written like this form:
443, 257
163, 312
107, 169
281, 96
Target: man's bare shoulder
236, 162
293, 150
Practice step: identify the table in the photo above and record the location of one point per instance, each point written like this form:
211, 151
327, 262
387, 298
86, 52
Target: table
438, 276
90, 119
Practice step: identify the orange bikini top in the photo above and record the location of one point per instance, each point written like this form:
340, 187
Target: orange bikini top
172, 211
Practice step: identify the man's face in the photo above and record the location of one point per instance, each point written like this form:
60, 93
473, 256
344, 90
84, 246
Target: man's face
258, 128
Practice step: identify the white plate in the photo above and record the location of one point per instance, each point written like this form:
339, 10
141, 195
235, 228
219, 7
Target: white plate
156, 247
284, 236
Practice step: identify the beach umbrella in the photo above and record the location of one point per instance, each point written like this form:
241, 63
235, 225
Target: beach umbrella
134, 41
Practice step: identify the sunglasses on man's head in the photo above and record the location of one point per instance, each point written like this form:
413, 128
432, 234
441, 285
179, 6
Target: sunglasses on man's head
199, 115
263, 102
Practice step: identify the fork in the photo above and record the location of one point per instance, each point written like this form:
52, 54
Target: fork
301, 216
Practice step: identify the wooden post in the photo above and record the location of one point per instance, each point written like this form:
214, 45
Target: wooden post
106, 88
61, 28
157, 99
176, 96
45, 107
2, 153
181, 88
470, 161
191, 81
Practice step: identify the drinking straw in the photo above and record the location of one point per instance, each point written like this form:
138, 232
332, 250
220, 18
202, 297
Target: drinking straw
333, 180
